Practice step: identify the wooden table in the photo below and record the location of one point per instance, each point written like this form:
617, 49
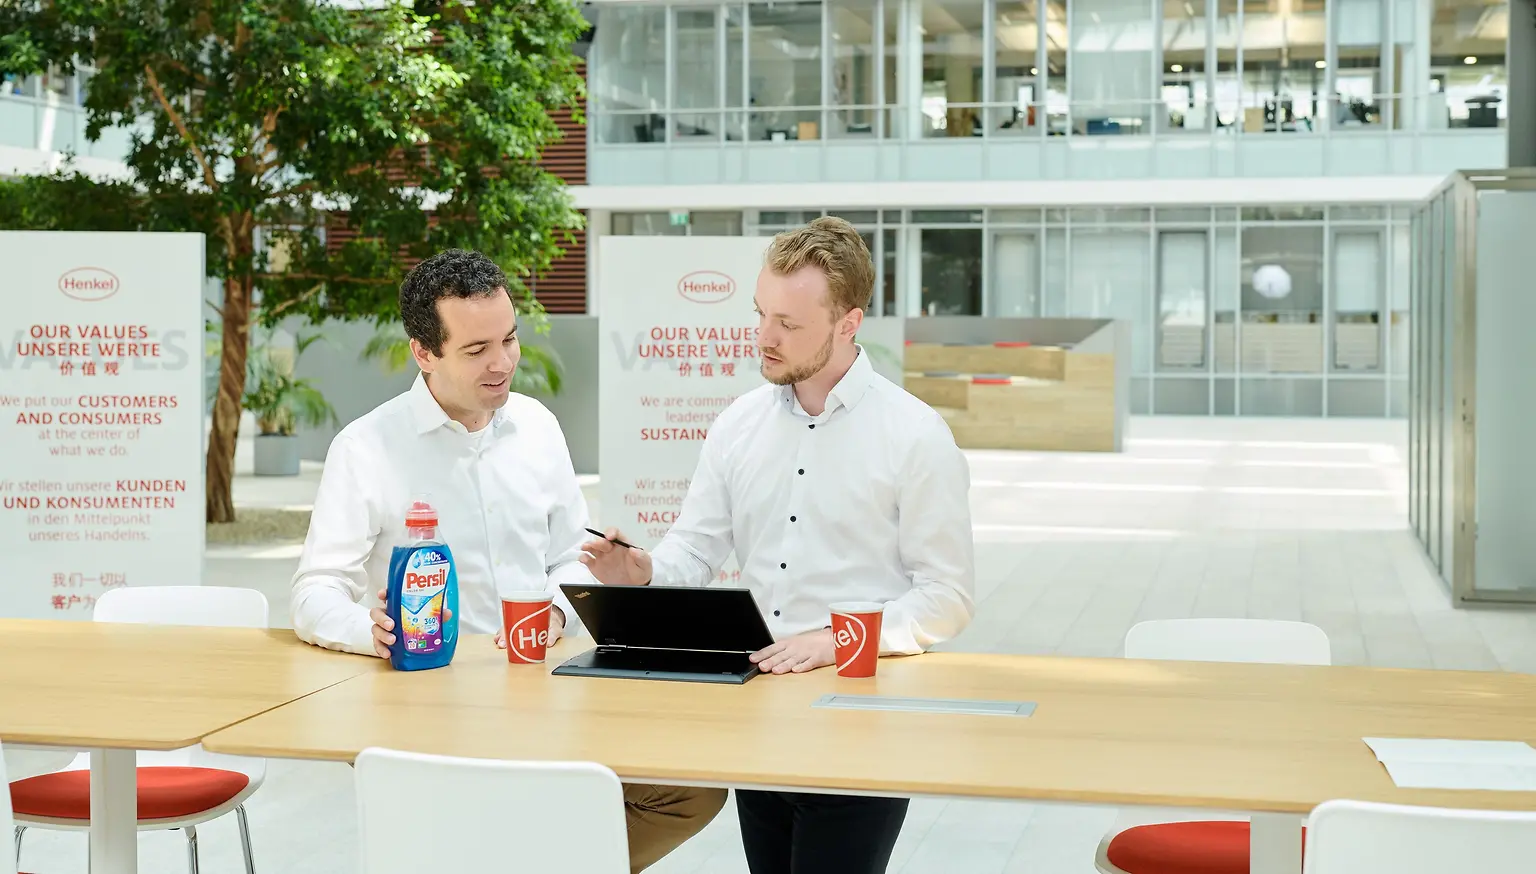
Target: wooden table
1267, 739
115, 688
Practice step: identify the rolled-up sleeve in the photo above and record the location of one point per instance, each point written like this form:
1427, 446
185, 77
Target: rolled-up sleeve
936, 546
331, 585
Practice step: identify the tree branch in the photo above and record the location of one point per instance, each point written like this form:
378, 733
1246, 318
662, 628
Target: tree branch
217, 309
181, 127
290, 302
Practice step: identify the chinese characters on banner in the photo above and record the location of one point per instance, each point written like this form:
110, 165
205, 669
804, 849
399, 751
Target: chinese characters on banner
679, 344
101, 417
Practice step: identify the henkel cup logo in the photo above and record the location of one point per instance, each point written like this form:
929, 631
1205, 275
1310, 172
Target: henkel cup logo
706, 286
89, 284
849, 639
527, 627
856, 640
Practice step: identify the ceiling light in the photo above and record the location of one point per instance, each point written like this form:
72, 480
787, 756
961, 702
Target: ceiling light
1177, 68
1034, 71
1469, 60
1320, 64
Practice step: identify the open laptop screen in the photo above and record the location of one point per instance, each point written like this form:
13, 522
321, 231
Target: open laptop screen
671, 617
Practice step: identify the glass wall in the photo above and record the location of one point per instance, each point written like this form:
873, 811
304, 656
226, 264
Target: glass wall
1252, 311
792, 70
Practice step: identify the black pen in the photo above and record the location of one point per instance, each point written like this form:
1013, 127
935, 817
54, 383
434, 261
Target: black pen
615, 541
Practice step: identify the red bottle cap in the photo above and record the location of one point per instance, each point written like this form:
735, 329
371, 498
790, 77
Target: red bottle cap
421, 515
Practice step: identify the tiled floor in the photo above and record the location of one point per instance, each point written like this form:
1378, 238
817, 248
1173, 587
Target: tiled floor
1280, 519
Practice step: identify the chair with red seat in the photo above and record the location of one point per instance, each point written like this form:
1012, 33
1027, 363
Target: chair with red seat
181, 789
1149, 841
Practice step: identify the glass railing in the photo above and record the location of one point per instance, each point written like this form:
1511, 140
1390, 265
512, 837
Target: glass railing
1251, 113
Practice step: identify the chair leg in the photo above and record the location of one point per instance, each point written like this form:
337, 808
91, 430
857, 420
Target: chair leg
245, 839
191, 849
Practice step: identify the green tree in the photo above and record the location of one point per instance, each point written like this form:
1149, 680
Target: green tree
256, 122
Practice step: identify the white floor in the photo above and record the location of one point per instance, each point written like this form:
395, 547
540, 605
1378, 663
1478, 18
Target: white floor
1284, 519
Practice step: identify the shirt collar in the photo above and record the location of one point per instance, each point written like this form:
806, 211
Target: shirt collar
848, 391
429, 414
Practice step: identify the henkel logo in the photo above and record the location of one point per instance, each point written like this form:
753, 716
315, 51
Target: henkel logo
853, 632
706, 286
432, 580
89, 283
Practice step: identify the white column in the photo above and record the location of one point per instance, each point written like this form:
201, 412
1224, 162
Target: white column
909, 66
1520, 100
910, 289
114, 812
599, 225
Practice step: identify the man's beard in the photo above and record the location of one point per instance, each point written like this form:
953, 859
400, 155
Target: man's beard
804, 371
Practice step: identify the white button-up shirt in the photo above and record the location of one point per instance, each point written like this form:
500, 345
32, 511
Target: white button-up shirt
868, 501
508, 507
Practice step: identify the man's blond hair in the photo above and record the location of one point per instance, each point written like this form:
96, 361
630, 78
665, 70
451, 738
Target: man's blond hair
832, 246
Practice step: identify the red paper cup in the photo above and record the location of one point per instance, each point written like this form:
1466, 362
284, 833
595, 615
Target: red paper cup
525, 622
856, 635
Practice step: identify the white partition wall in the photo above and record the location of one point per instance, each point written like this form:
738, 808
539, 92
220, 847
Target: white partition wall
1472, 396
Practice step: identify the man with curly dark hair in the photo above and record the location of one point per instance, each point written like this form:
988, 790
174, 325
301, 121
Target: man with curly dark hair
495, 466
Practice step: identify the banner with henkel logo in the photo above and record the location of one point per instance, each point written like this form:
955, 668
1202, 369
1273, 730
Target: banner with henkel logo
679, 344
101, 417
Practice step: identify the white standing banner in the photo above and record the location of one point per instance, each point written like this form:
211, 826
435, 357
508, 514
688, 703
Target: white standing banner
679, 344
101, 417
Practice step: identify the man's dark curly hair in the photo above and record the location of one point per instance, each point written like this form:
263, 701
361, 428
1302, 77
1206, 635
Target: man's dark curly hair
452, 273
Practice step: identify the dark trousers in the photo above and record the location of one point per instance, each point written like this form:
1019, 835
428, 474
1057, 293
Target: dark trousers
805, 833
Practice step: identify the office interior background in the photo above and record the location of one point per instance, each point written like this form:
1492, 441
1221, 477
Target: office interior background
1233, 178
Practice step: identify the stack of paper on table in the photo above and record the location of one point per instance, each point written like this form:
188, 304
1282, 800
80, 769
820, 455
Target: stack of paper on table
1457, 764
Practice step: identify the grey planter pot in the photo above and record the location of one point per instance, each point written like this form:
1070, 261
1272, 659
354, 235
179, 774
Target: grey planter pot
277, 455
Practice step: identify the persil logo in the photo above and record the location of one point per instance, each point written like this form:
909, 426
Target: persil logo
706, 286
433, 580
89, 283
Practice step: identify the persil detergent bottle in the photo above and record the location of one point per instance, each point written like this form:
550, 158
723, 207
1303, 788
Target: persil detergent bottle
423, 595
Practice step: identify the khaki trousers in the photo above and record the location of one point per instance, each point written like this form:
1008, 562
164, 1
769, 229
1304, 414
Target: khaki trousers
661, 818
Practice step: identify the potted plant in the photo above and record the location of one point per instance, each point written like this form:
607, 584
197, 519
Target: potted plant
281, 403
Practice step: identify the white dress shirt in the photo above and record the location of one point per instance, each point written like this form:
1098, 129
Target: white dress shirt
507, 501
868, 501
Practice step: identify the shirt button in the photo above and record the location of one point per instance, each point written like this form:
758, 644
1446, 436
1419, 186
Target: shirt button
782, 565
813, 427
775, 612
791, 518
802, 471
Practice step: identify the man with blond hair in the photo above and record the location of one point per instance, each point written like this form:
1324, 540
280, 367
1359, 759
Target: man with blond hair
831, 484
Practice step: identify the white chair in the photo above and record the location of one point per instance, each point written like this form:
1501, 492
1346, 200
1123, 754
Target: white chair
180, 789
456, 814
1145, 839
1357, 837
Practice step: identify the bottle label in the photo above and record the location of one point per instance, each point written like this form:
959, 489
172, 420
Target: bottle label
422, 596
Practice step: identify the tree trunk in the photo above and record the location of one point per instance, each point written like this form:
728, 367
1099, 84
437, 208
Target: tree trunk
227, 405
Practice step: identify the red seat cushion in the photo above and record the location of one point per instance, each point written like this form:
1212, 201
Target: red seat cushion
164, 793
1182, 848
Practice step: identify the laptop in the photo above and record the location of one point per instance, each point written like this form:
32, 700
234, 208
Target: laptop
667, 633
